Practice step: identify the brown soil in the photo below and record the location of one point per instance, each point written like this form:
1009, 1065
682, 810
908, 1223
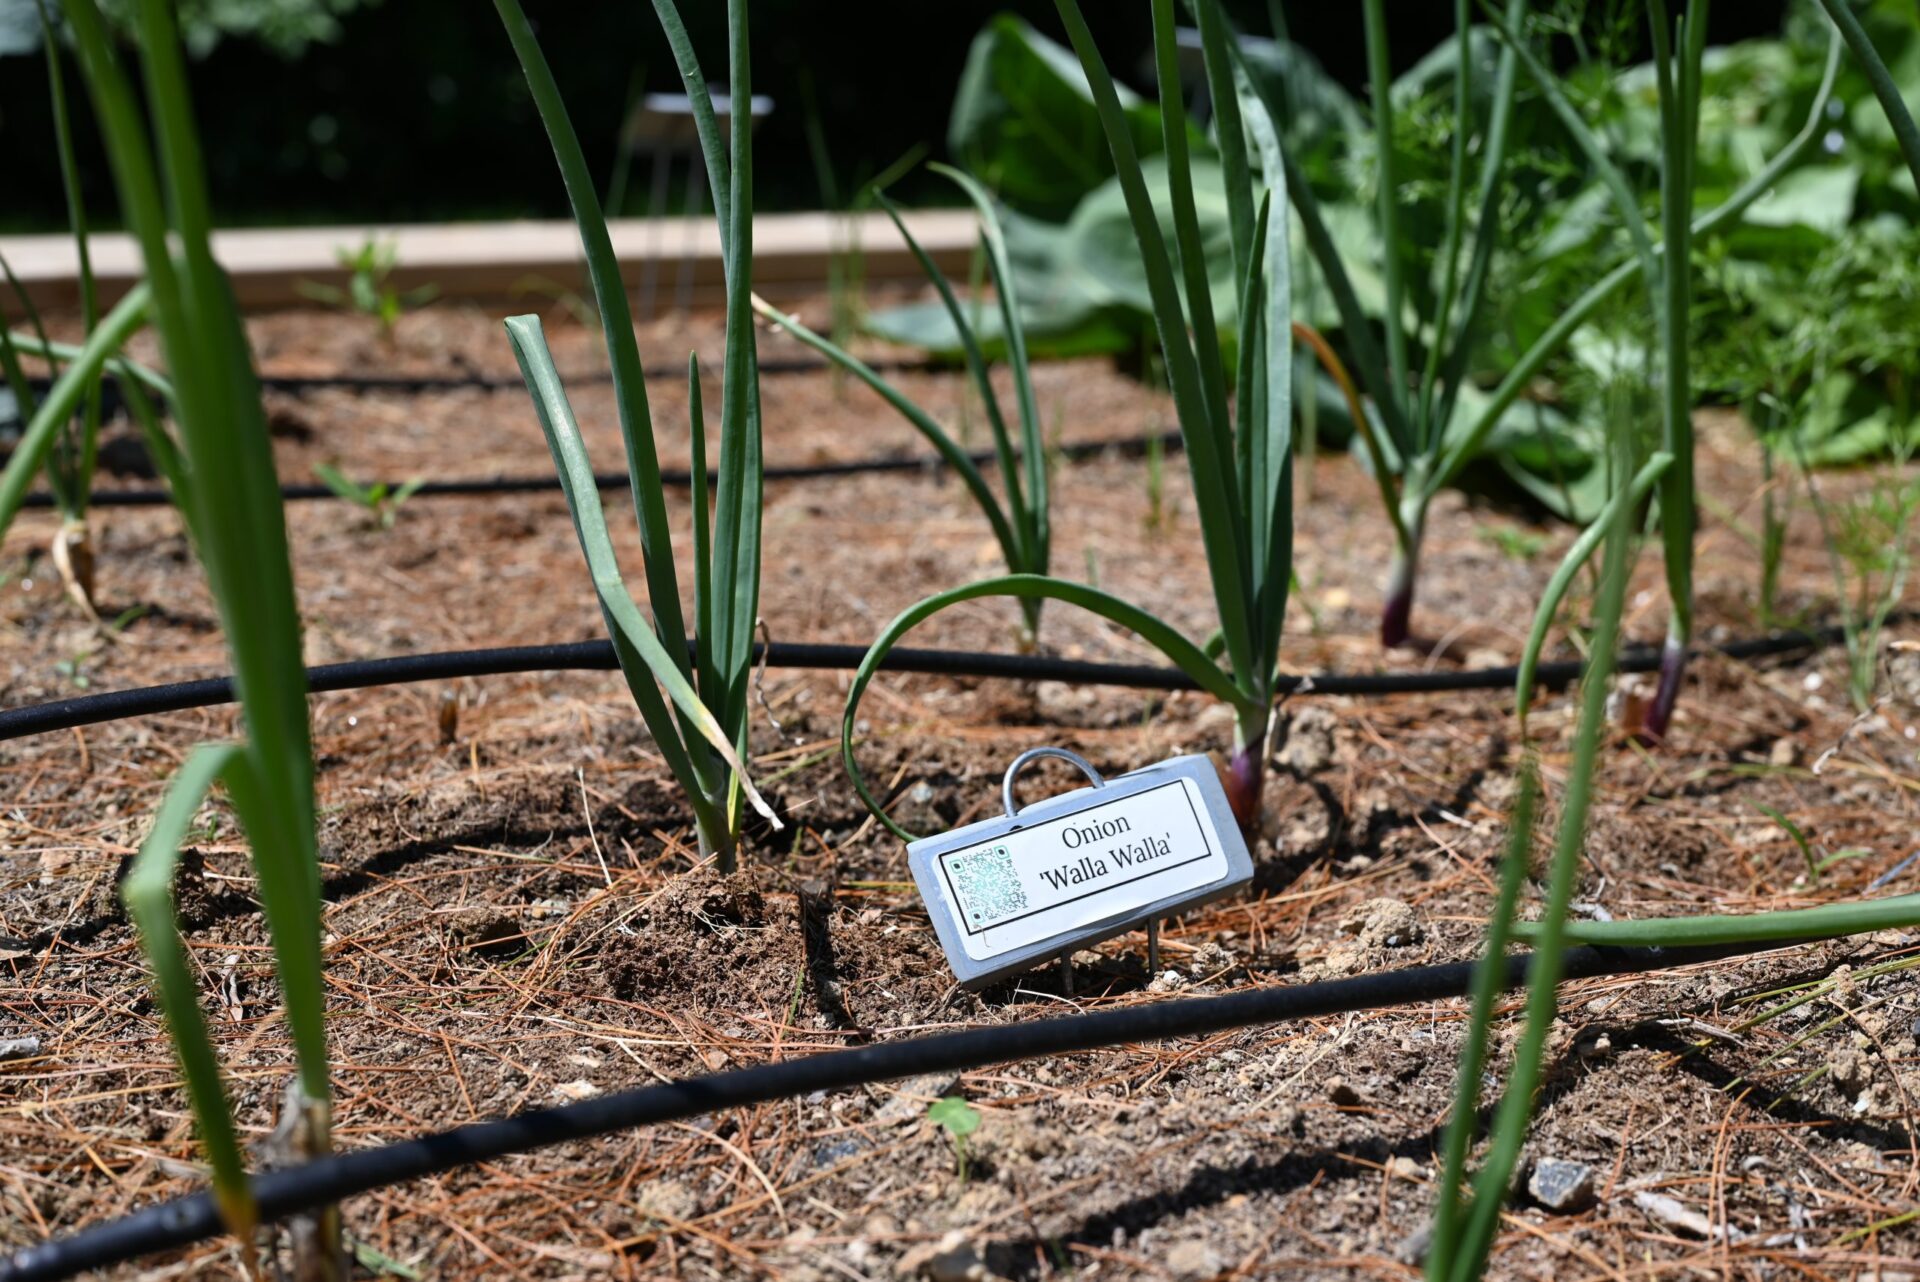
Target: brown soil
514, 918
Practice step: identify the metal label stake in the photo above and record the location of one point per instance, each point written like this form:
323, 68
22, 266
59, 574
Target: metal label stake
1037, 883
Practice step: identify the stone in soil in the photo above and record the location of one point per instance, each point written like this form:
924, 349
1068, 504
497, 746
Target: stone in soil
1561, 1186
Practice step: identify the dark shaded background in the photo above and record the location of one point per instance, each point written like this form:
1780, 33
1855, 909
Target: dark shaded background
419, 113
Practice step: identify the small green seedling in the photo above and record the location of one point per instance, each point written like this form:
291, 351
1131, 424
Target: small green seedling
370, 289
1817, 863
1515, 545
1157, 512
1869, 541
958, 1119
74, 669
380, 500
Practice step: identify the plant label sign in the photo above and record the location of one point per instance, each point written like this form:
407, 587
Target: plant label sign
1032, 884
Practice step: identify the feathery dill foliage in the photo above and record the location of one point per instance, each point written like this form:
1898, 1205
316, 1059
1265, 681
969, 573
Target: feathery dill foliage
222, 476
1238, 441
1022, 525
700, 726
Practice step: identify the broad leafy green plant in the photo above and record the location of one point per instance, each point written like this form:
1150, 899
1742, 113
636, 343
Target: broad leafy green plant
1022, 525
705, 675
1025, 120
1236, 429
223, 479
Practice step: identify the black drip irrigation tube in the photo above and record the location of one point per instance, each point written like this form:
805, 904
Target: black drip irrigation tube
670, 372
297, 384
191, 1219
598, 656
679, 478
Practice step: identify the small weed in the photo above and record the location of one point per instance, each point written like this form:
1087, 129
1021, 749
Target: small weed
370, 290
1816, 863
1869, 541
74, 670
379, 1263
958, 1119
379, 500
1156, 484
1515, 545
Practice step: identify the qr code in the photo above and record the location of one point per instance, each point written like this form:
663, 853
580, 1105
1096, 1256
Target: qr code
987, 884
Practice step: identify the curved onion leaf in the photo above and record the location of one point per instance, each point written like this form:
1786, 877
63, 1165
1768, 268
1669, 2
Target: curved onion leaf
64, 397
148, 895
55, 350
623, 351
1032, 503
234, 506
944, 445
1884, 86
1796, 925
1181, 652
643, 659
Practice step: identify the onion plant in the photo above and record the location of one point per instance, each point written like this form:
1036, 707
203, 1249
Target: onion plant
706, 675
1678, 49
1022, 526
224, 481
1415, 445
1412, 446
1464, 1230
1236, 429
68, 448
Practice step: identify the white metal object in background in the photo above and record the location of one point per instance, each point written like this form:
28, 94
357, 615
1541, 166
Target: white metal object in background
662, 129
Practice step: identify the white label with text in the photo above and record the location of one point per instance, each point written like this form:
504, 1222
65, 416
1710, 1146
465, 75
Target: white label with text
1079, 869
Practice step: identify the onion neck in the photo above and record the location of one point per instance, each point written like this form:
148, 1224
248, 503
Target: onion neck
1673, 671
1247, 772
1396, 610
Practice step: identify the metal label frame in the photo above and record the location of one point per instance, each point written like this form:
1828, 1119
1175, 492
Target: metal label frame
929, 874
